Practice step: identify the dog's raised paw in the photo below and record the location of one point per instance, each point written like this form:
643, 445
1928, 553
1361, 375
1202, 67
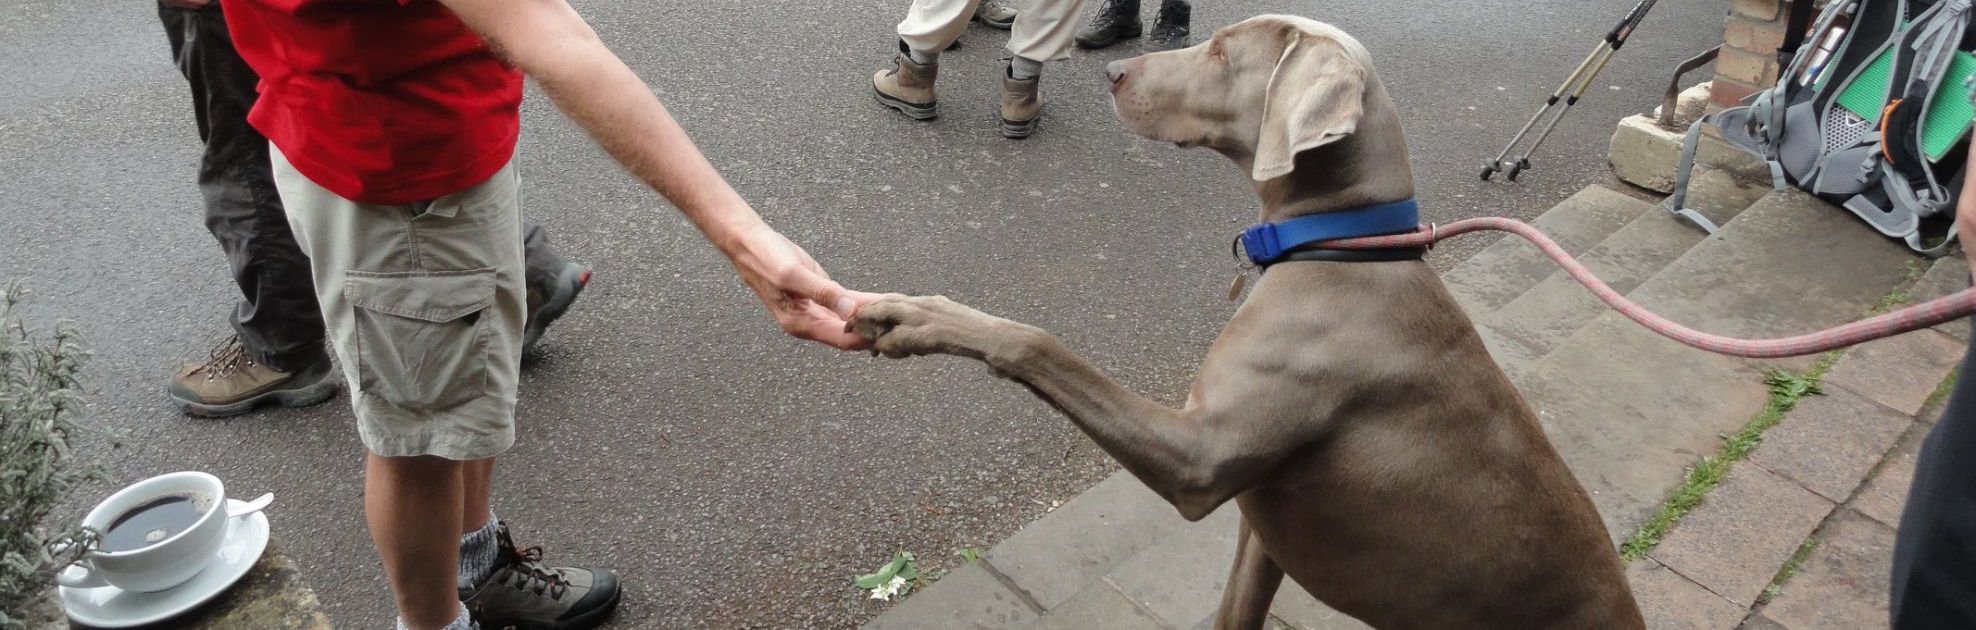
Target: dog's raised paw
899, 327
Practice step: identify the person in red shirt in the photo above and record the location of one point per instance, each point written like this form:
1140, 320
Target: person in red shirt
393, 127
276, 354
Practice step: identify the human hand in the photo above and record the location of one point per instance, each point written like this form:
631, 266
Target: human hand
798, 293
187, 4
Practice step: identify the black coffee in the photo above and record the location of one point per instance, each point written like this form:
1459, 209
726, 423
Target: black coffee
151, 523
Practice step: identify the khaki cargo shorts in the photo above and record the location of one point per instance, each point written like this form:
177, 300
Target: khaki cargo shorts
424, 304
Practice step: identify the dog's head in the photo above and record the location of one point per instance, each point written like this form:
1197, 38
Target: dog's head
1265, 88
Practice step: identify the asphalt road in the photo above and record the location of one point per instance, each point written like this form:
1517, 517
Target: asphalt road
736, 477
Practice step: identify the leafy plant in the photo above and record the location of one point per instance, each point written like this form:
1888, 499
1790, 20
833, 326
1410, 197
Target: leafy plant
969, 554
40, 394
1791, 386
895, 578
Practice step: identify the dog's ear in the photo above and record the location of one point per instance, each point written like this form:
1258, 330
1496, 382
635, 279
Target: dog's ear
1315, 96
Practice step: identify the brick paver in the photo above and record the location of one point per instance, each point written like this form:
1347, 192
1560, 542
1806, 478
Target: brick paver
1099, 607
1899, 372
1884, 495
1829, 443
1181, 577
1065, 551
1948, 275
1304, 612
967, 597
1746, 528
1670, 601
1843, 585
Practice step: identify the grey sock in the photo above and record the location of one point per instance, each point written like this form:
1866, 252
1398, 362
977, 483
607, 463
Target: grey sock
478, 551
922, 58
462, 622
1021, 68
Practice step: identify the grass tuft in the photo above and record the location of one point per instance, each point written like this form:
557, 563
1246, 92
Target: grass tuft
1790, 569
1942, 389
1786, 389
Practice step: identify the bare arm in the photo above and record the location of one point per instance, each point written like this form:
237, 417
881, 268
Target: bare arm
1965, 210
552, 44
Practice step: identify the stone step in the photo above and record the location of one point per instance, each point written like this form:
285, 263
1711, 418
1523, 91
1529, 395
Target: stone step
1790, 264
1625, 258
1530, 326
1507, 268
1630, 410
1720, 195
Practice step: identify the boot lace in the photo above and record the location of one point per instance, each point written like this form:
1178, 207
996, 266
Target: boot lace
525, 571
226, 359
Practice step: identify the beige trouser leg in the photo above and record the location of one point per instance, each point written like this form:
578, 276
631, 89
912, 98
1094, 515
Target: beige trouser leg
424, 304
1042, 31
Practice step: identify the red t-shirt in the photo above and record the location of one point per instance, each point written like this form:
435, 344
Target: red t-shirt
379, 101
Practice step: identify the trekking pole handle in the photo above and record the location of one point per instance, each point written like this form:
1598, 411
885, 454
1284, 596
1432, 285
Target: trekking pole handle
1624, 29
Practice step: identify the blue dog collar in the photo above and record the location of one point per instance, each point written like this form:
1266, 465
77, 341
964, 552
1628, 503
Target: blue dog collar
1265, 243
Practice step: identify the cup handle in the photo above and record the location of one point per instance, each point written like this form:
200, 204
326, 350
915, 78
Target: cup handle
80, 575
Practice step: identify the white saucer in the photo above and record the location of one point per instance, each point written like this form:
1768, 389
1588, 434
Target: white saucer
112, 607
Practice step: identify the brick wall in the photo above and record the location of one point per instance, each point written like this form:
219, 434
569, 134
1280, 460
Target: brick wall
1748, 60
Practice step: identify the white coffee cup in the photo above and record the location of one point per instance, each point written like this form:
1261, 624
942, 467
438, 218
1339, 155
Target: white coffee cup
162, 564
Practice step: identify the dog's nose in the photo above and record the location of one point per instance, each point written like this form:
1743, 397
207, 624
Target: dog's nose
1115, 70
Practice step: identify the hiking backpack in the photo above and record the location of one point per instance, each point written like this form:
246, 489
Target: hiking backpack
1869, 116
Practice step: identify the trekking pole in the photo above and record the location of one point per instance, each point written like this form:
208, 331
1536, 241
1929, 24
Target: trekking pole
1575, 85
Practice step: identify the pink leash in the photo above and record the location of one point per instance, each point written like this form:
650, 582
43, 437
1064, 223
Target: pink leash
1948, 308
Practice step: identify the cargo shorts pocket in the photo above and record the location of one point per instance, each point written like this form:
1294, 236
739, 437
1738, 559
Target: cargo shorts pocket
421, 341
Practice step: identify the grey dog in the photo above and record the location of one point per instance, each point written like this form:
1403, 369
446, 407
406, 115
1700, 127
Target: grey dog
1379, 456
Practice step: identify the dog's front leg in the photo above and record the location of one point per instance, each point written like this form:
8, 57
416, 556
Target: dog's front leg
1185, 455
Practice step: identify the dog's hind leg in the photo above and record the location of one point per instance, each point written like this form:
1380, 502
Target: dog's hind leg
1252, 585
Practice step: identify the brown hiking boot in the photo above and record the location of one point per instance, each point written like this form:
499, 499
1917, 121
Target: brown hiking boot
1022, 106
230, 382
908, 87
523, 594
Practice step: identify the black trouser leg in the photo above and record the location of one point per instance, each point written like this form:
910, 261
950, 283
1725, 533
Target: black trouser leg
1934, 575
277, 317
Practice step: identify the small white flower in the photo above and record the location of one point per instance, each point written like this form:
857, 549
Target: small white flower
887, 590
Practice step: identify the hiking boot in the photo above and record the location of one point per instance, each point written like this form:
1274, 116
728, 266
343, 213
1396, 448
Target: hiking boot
1022, 106
523, 594
546, 303
230, 382
908, 87
1116, 20
996, 14
1170, 30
